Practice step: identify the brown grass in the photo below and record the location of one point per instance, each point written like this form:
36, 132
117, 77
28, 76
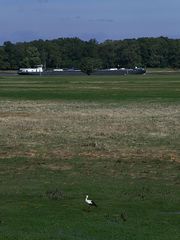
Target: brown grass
93, 130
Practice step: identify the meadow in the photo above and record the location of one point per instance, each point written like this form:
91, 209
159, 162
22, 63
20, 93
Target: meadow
115, 138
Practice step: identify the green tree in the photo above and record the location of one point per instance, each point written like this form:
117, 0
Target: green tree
10, 55
174, 54
31, 58
106, 53
89, 65
89, 55
4, 64
127, 53
154, 51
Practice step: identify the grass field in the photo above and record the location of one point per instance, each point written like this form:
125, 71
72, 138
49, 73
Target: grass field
116, 139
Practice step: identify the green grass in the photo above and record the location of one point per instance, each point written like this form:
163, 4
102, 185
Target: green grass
111, 88
116, 139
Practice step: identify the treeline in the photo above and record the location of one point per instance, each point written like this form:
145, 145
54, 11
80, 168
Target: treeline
74, 52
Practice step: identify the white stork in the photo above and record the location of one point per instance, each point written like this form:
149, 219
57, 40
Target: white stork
90, 202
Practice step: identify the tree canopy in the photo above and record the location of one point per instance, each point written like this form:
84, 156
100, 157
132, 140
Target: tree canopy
89, 55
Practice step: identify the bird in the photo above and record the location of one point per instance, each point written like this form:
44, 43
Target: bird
123, 217
90, 202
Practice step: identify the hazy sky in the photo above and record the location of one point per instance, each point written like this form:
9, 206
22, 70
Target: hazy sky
25, 20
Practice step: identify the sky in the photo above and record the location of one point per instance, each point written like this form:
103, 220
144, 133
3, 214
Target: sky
26, 20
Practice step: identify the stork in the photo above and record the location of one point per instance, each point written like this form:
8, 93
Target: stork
90, 202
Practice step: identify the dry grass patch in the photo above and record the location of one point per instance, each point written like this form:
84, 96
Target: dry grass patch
135, 155
57, 167
64, 130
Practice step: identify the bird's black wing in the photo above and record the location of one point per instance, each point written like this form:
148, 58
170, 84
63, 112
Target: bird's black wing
93, 203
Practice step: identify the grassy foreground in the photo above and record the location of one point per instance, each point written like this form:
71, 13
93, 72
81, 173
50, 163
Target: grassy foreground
116, 139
